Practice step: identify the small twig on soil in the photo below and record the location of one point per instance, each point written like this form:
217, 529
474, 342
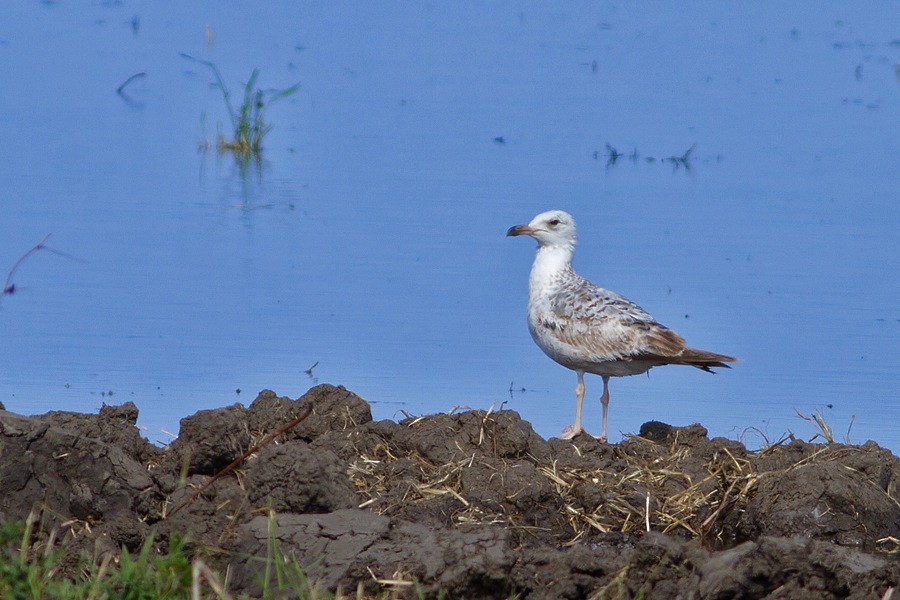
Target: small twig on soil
647, 513
265, 441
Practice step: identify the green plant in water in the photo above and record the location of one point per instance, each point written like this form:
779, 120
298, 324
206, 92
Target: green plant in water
247, 121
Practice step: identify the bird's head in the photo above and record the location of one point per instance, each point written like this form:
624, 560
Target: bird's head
552, 228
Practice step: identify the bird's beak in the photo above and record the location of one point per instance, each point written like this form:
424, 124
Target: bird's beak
519, 230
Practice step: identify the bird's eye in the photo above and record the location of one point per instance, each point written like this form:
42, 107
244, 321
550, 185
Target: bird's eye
554, 222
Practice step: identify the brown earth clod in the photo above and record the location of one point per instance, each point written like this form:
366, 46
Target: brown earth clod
474, 504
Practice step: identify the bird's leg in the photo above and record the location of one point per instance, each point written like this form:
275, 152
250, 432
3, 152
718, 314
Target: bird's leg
604, 401
579, 394
572, 430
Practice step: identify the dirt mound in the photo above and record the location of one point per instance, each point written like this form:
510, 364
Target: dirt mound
473, 503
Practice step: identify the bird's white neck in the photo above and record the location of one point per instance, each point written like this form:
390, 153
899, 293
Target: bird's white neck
549, 263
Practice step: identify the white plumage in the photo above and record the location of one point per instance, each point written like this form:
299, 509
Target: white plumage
589, 329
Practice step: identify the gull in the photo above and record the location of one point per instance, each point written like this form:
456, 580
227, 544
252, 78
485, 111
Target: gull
589, 329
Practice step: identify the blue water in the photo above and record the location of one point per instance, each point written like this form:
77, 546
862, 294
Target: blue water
370, 241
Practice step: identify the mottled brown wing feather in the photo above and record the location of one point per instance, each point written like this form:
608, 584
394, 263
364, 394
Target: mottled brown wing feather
663, 341
607, 327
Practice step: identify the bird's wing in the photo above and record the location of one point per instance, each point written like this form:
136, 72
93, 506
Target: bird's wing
606, 326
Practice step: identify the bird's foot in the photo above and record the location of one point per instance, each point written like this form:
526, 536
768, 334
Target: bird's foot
570, 432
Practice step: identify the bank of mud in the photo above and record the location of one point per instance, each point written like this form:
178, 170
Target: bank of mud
474, 504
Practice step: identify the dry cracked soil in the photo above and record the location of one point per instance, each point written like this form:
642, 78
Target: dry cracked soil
470, 505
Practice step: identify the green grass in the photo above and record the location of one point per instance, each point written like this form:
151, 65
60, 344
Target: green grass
248, 123
31, 568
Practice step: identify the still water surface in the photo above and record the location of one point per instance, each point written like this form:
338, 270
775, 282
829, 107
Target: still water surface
370, 240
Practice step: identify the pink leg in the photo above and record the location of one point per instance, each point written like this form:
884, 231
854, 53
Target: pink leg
572, 430
604, 400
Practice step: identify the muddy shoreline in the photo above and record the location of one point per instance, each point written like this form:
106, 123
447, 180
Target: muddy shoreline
475, 503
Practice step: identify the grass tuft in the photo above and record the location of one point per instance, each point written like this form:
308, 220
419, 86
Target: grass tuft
824, 430
31, 566
248, 124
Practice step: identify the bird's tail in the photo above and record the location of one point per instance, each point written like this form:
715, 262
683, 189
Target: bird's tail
705, 360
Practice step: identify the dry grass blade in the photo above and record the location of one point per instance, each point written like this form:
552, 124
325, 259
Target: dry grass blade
397, 580
818, 419
618, 581
888, 545
824, 429
688, 487
554, 476
201, 571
